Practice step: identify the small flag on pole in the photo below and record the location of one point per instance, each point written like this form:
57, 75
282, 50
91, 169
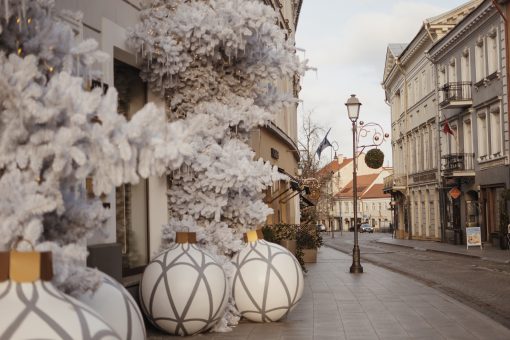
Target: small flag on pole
447, 129
324, 144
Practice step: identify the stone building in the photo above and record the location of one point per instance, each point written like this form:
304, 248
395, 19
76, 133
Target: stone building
471, 74
336, 204
409, 85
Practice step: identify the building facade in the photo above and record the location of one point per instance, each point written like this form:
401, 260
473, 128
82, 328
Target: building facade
410, 87
277, 141
471, 73
336, 210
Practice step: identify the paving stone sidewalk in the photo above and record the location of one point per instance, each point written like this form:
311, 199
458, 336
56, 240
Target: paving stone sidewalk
488, 253
378, 304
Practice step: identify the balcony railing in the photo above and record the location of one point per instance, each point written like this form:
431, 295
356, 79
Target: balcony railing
458, 162
394, 183
455, 95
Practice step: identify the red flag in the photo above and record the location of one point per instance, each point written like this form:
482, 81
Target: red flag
447, 129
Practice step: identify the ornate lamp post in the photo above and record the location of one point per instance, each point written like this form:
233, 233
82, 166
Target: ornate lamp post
378, 137
353, 106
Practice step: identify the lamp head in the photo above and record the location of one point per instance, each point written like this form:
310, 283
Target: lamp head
353, 106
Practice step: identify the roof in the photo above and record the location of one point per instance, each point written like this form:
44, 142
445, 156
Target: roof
396, 49
333, 166
376, 191
363, 182
436, 27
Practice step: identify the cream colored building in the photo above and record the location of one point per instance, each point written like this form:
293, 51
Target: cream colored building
139, 211
336, 204
410, 88
277, 141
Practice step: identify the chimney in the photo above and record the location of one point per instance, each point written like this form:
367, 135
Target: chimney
340, 159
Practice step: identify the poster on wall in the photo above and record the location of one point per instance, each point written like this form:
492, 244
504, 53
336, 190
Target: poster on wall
473, 237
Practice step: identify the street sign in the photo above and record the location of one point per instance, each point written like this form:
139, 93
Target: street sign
473, 237
454, 193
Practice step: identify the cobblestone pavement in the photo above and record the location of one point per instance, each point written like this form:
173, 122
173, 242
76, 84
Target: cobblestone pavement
481, 280
378, 304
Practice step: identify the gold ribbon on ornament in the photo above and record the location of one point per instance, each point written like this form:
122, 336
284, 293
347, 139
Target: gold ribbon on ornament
185, 237
253, 235
25, 266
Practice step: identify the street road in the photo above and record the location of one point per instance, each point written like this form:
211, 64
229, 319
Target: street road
478, 283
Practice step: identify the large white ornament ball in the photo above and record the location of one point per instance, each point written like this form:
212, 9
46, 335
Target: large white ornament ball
268, 282
117, 307
37, 310
183, 291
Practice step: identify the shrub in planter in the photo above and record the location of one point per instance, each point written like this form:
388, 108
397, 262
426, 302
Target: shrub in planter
374, 158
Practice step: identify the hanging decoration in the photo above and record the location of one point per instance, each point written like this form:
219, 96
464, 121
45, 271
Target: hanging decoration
117, 307
183, 291
32, 308
374, 158
268, 282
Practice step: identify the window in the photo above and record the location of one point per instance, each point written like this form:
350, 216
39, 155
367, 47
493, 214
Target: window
402, 97
452, 71
480, 60
410, 94
442, 76
453, 139
424, 81
465, 69
492, 51
468, 136
417, 90
482, 134
495, 131
131, 200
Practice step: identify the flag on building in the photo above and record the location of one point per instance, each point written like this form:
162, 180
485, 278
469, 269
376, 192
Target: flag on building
447, 129
324, 144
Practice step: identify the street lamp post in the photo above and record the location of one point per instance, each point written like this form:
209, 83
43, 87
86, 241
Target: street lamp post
353, 106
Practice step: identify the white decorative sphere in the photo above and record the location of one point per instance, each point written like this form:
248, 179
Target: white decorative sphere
37, 310
117, 307
268, 282
183, 290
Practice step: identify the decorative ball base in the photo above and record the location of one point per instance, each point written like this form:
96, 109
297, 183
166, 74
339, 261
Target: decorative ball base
268, 282
183, 290
117, 307
37, 310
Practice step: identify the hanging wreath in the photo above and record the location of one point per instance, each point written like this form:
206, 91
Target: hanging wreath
374, 158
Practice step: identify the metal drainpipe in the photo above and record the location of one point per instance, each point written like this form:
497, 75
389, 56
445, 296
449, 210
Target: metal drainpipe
406, 144
507, 55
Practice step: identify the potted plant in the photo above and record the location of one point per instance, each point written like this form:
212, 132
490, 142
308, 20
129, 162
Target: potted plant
283, 234
308, 241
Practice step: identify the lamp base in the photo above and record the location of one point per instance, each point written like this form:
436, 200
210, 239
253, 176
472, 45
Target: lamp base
356, 267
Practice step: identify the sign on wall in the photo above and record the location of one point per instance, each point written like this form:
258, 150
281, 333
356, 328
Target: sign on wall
473, 237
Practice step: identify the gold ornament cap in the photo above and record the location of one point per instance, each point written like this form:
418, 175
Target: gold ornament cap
253, 235
25, 266
185, 237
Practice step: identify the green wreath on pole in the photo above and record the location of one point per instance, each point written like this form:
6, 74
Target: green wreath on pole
374, 158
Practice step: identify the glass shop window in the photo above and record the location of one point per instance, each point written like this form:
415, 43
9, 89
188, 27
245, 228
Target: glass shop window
132, 218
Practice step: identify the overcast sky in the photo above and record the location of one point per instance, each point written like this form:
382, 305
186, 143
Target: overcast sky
347, 41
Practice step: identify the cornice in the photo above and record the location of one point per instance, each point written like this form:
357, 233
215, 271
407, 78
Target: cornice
466, 26
419, 40
276, 131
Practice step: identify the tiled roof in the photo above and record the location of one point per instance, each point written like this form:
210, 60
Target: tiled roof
376, 191
333, 166
363, 183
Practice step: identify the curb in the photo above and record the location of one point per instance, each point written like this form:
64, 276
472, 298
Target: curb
481, 257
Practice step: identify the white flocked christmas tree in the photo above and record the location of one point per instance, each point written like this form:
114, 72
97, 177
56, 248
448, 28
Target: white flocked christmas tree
54, 134
219, 59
